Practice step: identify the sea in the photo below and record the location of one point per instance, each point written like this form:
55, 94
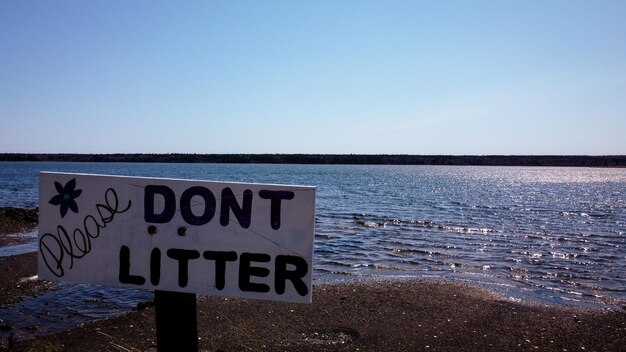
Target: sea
544, 235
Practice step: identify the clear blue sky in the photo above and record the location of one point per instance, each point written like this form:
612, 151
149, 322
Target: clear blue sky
408, 77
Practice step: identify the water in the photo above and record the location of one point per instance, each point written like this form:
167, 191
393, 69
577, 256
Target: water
27, 243
549, 235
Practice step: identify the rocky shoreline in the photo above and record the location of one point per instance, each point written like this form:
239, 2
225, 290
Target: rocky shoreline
18, 272
14, 221
380, 316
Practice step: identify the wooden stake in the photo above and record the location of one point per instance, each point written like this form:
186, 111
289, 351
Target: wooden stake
176, 321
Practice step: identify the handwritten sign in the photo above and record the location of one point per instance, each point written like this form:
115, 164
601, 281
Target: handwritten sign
215, 238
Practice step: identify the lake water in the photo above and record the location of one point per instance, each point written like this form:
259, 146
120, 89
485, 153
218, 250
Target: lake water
549, 235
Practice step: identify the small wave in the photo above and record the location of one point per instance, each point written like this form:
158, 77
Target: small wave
560, 255
325, 236
421, 252
460, 229
369, 223
384, 222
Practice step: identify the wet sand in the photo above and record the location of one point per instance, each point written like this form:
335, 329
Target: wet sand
381, 316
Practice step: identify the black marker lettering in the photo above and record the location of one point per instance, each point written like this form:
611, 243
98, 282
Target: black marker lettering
246, 271
220, 265
295, 276
53, 248
229, 202
168, 210
209, 205
155, 266
183, 256
52, 253
276, 197
125, 276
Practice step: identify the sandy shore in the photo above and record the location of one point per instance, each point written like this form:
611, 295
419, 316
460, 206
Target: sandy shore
383, 316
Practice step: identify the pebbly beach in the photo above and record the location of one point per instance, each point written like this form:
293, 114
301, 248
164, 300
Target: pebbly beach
357, 316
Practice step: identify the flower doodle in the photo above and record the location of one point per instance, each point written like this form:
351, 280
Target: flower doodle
66, 197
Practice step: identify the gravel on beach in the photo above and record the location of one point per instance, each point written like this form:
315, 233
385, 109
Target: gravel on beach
380, 316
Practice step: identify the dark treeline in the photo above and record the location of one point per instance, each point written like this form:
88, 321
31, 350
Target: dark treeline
363, 159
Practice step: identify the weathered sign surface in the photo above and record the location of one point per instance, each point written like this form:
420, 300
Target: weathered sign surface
215, 238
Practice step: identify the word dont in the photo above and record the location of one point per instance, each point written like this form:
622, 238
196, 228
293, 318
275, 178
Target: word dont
228, 204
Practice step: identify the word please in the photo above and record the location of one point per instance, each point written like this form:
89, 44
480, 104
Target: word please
286, 268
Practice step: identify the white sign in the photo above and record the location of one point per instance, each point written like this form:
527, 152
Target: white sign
215, 238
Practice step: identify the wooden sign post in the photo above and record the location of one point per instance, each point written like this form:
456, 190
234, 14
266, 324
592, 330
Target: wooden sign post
178, 238
176, 321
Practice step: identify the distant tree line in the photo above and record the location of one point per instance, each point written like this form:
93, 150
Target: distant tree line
359, 159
